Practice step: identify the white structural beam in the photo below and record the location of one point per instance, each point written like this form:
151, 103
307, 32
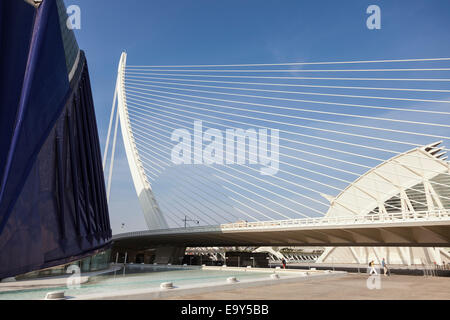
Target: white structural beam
152, 212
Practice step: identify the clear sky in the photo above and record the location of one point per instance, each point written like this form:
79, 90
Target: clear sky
173, 32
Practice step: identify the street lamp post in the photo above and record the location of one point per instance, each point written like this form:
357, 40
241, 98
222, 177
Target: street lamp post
186, 219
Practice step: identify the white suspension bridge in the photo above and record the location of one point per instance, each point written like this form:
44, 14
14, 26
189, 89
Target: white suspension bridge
360, 160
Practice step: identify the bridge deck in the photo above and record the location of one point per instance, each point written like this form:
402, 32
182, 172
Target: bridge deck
424, 229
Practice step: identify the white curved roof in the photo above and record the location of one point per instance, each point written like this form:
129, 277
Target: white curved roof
388, 179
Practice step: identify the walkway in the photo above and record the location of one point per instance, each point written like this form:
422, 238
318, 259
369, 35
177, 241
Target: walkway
352, 287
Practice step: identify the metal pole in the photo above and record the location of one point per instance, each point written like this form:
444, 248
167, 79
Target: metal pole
125, 263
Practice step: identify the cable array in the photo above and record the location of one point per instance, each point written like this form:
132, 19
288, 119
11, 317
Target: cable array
333, 128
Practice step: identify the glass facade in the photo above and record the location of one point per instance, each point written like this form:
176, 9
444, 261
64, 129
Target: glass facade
96, 262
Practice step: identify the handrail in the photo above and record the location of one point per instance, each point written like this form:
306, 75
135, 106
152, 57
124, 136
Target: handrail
167, 231
344, 220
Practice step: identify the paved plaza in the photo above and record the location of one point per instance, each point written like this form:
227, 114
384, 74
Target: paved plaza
351, 287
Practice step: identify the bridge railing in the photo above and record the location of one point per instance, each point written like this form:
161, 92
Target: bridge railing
345, 220
436, 215
166, 231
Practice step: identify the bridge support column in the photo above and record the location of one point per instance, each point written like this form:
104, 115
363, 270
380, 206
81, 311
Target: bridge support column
173, 255
435, 255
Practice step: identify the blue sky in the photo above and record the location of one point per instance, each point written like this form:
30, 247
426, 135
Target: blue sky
228, 32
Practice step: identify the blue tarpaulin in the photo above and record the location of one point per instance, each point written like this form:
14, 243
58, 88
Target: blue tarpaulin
53, 206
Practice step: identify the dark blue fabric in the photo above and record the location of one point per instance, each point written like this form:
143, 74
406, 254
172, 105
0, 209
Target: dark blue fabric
52, 195
15, 35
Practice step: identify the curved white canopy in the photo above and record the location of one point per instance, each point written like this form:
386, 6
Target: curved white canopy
393, 178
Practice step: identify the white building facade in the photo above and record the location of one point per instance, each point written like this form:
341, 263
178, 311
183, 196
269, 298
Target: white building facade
411, 183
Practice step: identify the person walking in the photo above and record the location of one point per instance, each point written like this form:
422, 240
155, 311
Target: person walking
385, 269
372, 268
283, 262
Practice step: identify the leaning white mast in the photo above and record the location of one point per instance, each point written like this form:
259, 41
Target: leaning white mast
152, 213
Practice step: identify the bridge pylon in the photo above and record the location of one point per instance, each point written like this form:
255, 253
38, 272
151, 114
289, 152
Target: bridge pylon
152, 213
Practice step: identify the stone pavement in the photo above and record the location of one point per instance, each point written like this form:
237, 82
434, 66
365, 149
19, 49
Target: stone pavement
350, 287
